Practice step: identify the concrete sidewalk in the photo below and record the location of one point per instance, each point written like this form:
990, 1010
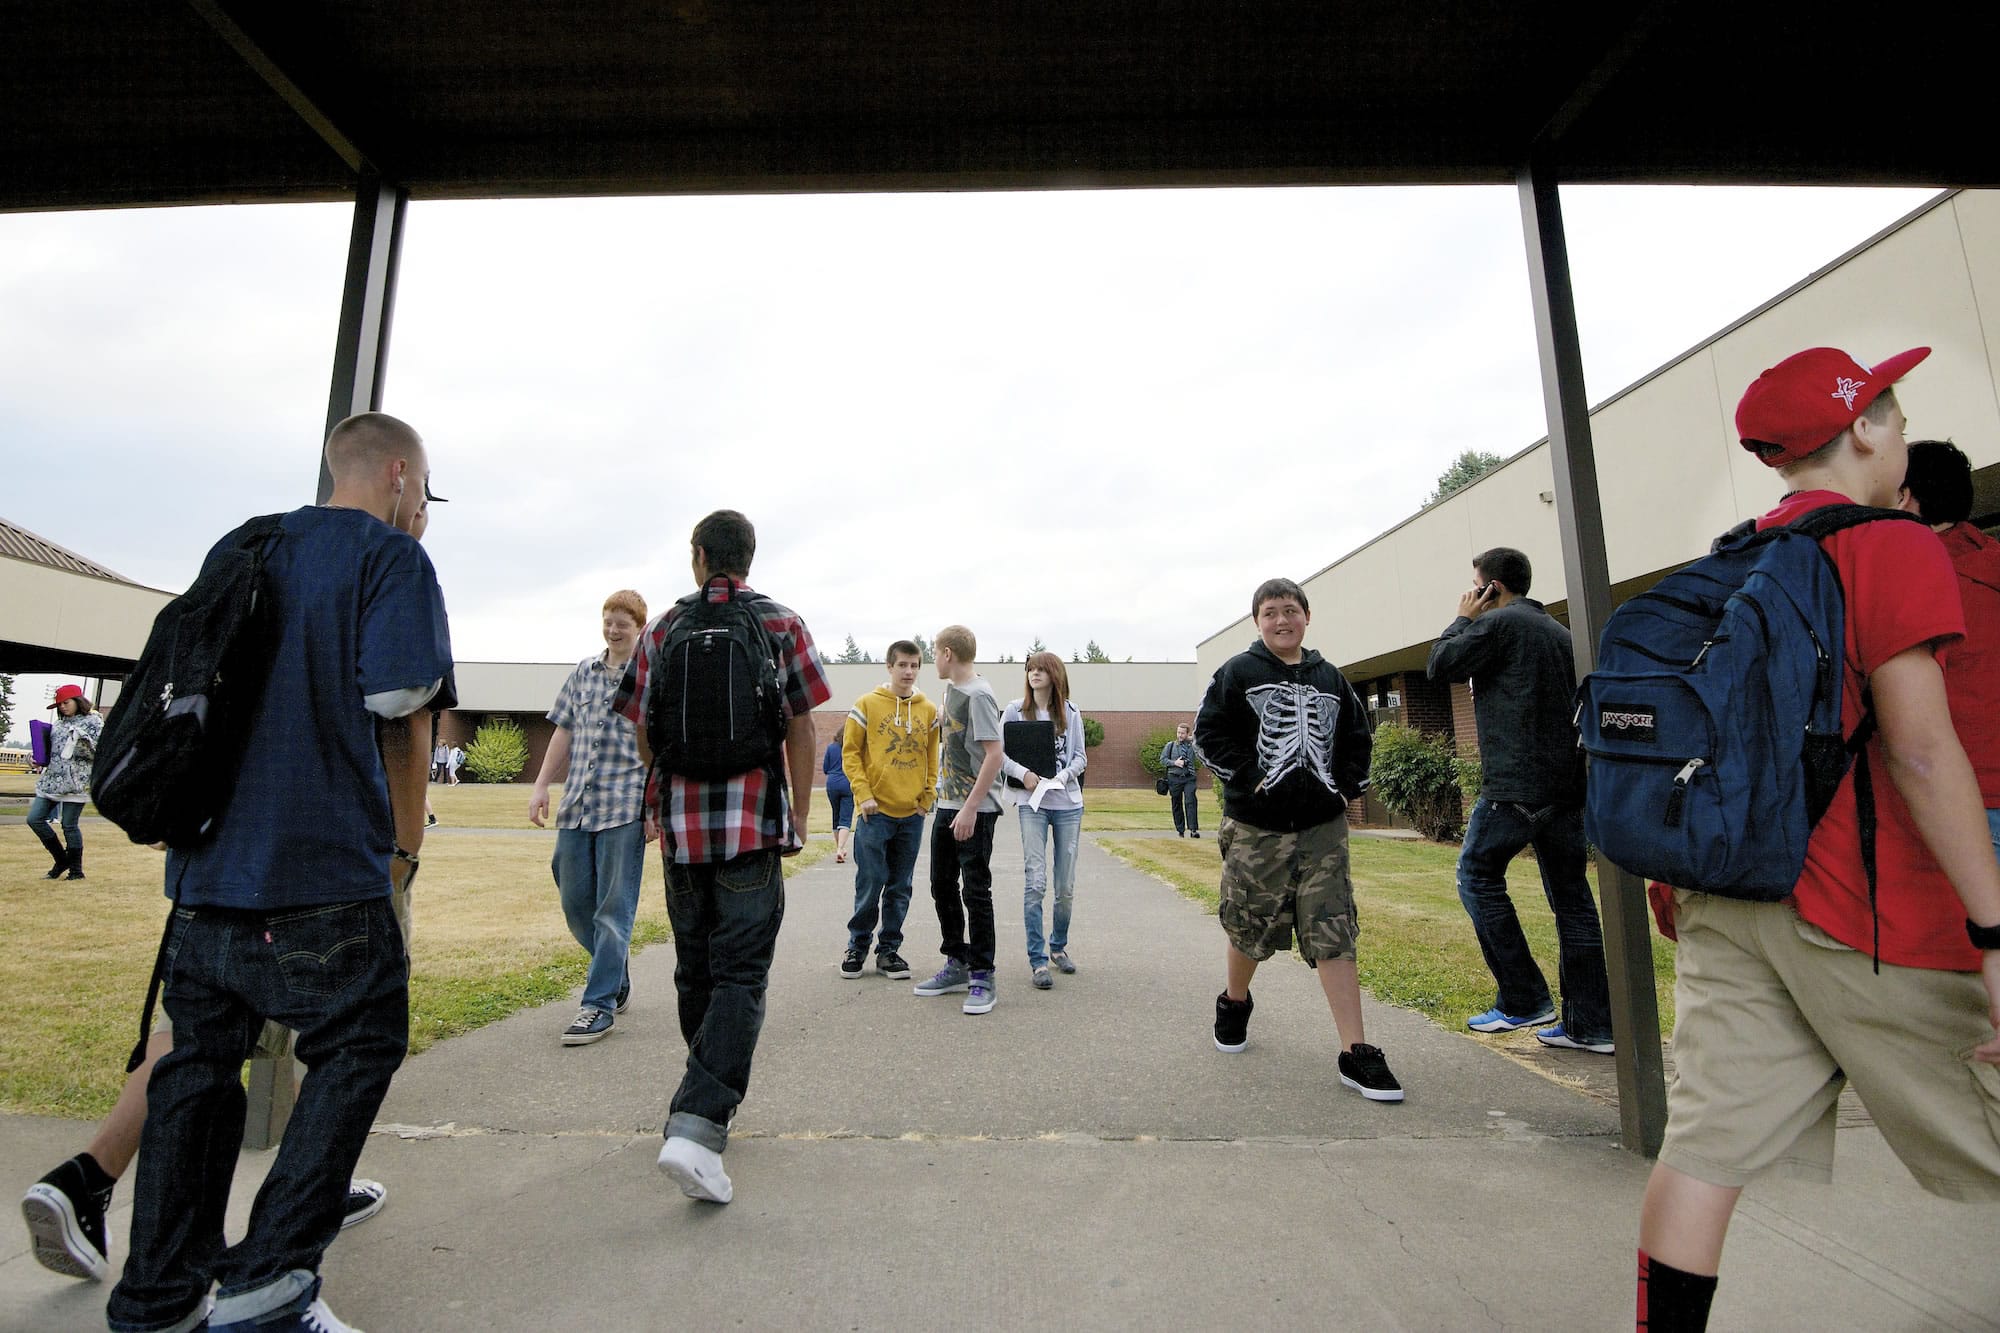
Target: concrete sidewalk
1082, 1156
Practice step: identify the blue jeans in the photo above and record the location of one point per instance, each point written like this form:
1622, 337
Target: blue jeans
1497, 831
40, 812
597, 875
1036, 828
339, 976
725, 917
885, 862
842, 803
1992, 827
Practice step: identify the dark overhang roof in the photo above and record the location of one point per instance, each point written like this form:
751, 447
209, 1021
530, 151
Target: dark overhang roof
206, 101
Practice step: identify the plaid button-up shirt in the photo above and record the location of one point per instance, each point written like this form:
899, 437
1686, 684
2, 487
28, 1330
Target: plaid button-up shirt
606, 785
707, 822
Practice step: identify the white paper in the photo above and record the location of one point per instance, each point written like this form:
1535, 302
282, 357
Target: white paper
1042, 789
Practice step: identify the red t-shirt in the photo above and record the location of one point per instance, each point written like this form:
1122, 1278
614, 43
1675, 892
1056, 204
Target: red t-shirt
1900, 594
1972, 665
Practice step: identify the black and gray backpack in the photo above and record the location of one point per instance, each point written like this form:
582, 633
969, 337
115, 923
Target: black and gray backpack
716, 705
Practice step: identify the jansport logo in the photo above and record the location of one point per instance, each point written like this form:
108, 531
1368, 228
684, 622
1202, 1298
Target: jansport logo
1630, 722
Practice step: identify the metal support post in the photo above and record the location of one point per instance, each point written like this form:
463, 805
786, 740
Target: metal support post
361, 350
1628, 945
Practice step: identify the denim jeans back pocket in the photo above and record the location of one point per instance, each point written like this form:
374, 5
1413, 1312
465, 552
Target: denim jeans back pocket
178, 921
320, 950
751, 872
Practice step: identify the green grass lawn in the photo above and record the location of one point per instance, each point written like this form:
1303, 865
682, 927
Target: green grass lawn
1417, 947
489, 939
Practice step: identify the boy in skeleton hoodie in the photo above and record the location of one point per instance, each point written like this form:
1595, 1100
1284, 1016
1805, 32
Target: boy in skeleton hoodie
1288, 740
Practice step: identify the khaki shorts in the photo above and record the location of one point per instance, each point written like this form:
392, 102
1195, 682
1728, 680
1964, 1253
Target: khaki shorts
1775, 1017
274, 1042
1275, 885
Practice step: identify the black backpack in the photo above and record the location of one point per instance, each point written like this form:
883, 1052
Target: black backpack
716, 706
167, 760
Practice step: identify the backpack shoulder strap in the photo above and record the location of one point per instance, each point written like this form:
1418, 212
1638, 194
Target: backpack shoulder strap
1823, 522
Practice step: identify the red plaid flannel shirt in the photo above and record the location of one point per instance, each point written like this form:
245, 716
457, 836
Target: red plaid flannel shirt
707, 822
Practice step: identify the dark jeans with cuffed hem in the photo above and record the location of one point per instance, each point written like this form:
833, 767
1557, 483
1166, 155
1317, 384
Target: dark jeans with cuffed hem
725, 917
338, 975
1495, 834
885, 861
962, 888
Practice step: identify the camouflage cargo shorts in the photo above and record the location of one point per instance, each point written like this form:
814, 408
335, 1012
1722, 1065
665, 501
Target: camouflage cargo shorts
1275, 885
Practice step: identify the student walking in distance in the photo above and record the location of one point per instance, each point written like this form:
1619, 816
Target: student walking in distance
1048, 816
285, 912
1181, 763
1780, 1005
962, 833
64, 784
1523, 675
839, 799
600, 830
723, 833
889, 753
440, 760
1287, 737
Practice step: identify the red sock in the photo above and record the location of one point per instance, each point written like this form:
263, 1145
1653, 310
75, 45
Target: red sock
1670, 1300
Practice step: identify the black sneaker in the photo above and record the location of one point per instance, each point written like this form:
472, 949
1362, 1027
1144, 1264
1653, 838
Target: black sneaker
1366, 1070
364, 1199
1232, 1022
891, 965
619, 1005
65, 1219
850, 964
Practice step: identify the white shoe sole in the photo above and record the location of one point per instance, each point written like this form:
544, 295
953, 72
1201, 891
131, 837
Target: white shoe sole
58, 1240
893, 973
584, 1038
985, 1007
1373, 1094
1565, 1044
377, 1197
855, 975
1231, 1050
708, 1187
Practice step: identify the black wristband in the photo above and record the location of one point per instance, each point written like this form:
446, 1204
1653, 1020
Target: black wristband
1983, 937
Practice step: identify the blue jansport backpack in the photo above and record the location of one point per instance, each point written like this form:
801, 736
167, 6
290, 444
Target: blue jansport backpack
1712, 721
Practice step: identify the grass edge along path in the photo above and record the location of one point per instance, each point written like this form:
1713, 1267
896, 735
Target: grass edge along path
1417, 948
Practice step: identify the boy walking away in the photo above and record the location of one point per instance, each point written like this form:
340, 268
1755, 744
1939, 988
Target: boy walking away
1287, 737
962, 834
1178, 758
722, 689
1781, 1004
889, 751
1523, 675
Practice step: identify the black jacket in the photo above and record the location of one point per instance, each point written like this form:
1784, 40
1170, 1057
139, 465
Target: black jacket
1179, 777
1523, 676
1299, 732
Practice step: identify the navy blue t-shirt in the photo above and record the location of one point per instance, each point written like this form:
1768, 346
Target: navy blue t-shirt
359, 613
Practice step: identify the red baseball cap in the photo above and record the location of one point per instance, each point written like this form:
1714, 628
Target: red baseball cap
1805, 400
67, 692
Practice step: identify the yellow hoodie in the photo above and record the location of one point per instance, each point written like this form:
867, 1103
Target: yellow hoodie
889, 749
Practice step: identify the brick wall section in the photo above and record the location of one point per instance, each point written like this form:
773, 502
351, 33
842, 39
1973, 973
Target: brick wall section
1462, 725
1427, 704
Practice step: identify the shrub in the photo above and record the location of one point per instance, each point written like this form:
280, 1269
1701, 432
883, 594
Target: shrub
1093, 733
1149, 751
1416, 775
1468, 778
499, 751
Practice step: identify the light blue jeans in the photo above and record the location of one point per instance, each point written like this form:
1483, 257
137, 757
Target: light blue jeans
598, 877
1037, 826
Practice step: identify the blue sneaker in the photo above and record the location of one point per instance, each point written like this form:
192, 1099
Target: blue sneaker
590, 1024
953, 976
1555, 1036
1495, 1021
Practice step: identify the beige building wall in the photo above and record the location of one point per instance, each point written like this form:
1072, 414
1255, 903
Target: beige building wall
1671, 473
83, 614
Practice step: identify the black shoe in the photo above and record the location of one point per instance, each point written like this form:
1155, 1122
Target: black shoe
1366, 1070
891, 965
364, 1199
58, 869
624, 995
76, 863
1232, 1022
65, 1219
1195, 834
850, 964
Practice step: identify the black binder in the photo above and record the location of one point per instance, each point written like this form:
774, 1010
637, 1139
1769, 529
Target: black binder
1032, 745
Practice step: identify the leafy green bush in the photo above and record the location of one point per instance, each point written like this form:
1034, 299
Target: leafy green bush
1093, 733
499, 751
1149, 751
1416, 775
1468, 778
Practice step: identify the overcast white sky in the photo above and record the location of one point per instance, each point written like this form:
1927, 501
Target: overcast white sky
1069, 415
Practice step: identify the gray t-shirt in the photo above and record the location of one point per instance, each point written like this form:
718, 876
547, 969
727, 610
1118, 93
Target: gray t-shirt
970, 714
